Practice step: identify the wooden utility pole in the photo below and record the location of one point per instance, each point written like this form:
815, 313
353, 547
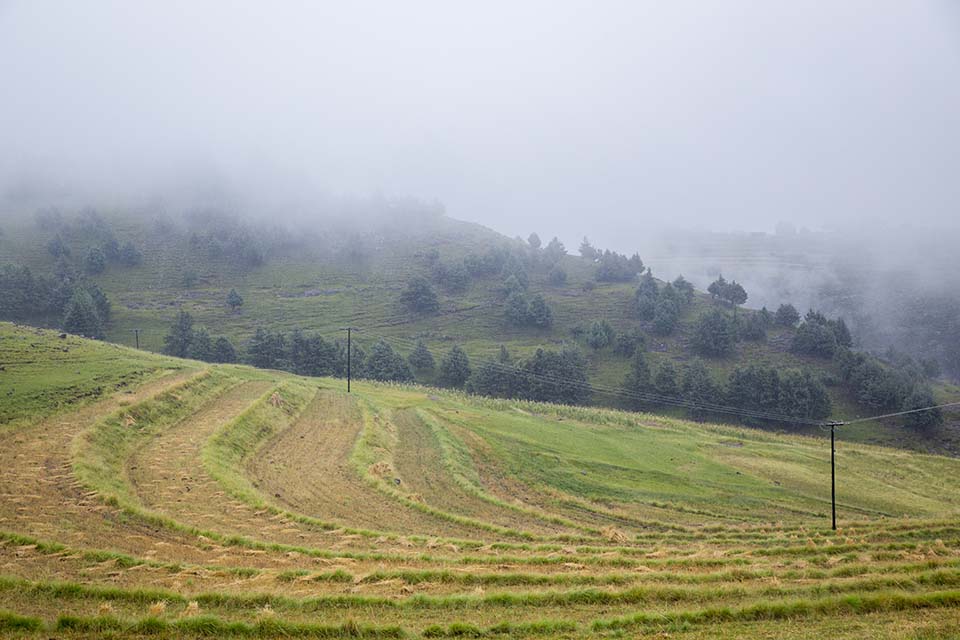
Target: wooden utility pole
136, 333
349, 331
833, 476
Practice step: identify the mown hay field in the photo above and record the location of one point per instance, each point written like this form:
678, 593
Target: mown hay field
143, 496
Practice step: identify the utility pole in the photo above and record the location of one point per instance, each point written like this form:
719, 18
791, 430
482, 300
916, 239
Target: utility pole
136, 332
349, 331
833, 474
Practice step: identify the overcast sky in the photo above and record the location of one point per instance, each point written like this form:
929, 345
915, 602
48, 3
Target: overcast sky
595, 117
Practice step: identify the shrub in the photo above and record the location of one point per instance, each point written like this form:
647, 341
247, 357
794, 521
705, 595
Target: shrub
419, 296
95, 262
753, 327
787, 315
626, 343
714, 334
601, 334
814, 339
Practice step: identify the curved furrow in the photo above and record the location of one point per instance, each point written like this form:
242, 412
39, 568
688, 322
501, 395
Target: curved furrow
308, 468
40, 494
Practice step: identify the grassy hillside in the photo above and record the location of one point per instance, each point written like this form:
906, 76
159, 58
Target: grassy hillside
188, 500
324, 282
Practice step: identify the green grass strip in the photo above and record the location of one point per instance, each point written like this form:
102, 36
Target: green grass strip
10, 621
102, 450
851, 604
213, 627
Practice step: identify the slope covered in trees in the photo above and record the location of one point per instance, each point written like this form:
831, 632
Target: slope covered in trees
278, 298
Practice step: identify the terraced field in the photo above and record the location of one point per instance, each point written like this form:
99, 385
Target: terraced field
146, 496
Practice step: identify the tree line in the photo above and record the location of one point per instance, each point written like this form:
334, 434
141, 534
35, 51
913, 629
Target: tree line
66, 299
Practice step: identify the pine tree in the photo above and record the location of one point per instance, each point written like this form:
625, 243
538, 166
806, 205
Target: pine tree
201, 347
665, 382
419, 296
555, 377
842, 333
455, 368
920, 398
714, 334
540, 314
587, 250
80, 316
420, 359
554, 251
787, 315
600, 335
266, 349
717, 288
111, 249
130, 256
497, 380
638, 381
648, 285
685, 289
385, 364
179, 339
735, 294
752, 327
95, 262
58, 248
646, 307
234, 300
517, 309
666, 315
814, 339
224, 351
698, 388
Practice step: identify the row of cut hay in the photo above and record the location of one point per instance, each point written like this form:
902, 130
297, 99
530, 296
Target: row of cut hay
270, 626
457, 462
100, 452
372, 456
462, 579
645, 595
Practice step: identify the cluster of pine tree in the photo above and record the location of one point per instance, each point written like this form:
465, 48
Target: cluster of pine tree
662, 306
904, 386
81, 247
792, 393
186, 341
819, 336
732, 292
67, 299
547, 376
220, 236
512, 263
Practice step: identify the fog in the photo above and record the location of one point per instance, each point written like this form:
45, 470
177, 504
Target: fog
610, 119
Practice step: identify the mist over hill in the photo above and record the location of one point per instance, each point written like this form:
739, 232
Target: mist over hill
898, 286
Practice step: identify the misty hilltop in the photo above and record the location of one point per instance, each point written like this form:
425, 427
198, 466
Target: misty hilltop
456, 304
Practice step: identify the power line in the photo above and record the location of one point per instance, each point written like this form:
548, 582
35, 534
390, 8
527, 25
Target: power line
655, 397
704, 406
645, 396
843, 423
